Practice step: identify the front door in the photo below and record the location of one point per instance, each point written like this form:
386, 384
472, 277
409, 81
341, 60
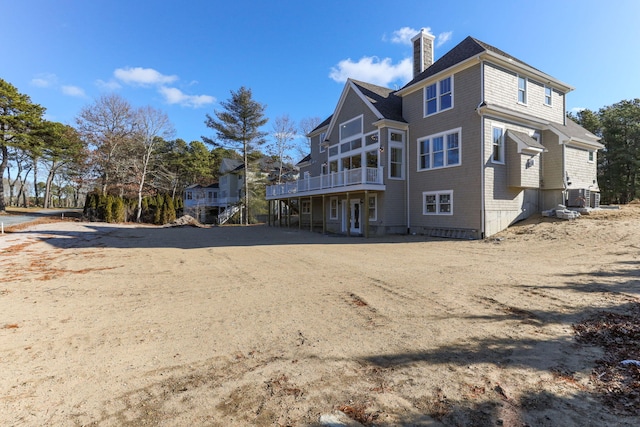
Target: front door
355, 216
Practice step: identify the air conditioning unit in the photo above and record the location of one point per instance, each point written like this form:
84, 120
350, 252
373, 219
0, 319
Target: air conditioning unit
579, 198
595, 200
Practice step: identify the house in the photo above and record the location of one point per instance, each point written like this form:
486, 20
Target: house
217, 202
476, 141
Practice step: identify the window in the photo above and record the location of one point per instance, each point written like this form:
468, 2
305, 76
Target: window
396, 155
353, 162
592, 156
373, 207
333, 208
547, 95
437, 202
324, 169
189, 195
522, 90
371, 139
323, 135
372, 158
498, 145
438, 96
306, 207
333, 151
440, 150
351, 128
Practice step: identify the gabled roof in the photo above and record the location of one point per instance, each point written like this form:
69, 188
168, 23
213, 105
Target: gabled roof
229, 165
304, 161
471, 47
383, 102
383, 99
324, 123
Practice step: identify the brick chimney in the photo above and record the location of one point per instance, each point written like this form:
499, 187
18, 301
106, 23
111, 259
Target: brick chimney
422, 51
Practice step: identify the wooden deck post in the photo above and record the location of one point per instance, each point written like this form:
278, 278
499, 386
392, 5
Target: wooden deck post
348, 215
365, 213
324, 215
311, 214
299, 213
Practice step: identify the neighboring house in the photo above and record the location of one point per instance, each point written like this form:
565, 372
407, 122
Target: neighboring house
217, 202
475, 142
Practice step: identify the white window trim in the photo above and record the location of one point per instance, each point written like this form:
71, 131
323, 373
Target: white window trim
375, 210
331, 200
323, 135
430, 138
437, 194
396, 145
526, 90
502, 148
438, 108
354, 136
305, 207
550, 104
591, 156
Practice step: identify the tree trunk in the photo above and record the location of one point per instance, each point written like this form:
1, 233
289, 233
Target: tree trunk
3, 166
35, 181
246, 185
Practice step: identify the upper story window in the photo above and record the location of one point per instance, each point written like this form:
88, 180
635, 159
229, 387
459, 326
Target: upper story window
396, 155
522, 90
547, 95
592, 156
498, 145
323, 135
438, 96
351, 128
439, 151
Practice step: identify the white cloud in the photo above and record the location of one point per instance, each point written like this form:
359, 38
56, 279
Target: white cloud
405, 34
44, 80
443, 38
142, 76
110, 85
576, 110
372, 70
174, 95
73, 91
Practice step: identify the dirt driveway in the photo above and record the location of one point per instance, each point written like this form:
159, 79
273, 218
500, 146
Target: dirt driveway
117, 325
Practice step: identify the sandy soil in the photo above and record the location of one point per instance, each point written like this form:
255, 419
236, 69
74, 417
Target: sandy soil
118, 325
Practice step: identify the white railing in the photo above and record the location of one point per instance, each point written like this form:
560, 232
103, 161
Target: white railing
337, 179
227, 214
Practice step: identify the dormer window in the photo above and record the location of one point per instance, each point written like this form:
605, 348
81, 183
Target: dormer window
438, 96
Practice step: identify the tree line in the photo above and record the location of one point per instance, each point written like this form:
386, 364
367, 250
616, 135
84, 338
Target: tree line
129, 153
618, 126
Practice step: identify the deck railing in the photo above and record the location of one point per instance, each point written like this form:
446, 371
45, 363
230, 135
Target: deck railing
343, 178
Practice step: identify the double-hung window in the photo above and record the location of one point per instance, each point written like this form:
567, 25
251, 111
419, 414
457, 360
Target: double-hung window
438, 96
306, 207
333, 208
437, 202
522, 90
373, 207
498, 145
439, 150
547, 95
396, 155
323, 135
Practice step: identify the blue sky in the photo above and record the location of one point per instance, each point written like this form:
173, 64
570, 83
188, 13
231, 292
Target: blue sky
185, 57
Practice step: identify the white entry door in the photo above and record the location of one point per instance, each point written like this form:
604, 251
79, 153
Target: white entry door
355, 217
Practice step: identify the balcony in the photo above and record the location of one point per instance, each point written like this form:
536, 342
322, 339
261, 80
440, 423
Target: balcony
346, 180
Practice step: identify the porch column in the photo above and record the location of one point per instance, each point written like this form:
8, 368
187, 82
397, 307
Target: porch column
269, 213
311, 214
288, 213
348, 215
324, 215
299, 213
365, 212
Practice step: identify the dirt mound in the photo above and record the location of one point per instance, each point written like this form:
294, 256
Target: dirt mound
186, 220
